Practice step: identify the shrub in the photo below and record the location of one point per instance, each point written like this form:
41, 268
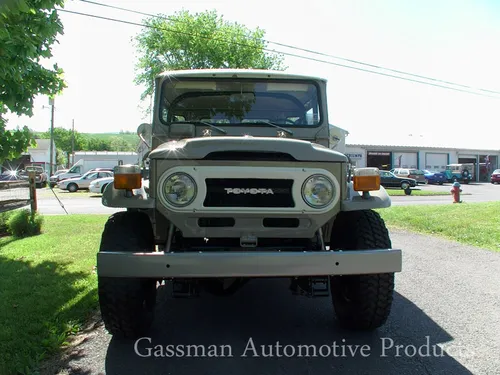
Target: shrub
22, 224
4, 216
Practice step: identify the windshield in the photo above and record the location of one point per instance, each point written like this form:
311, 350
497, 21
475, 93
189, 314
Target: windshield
89, 175
222, 101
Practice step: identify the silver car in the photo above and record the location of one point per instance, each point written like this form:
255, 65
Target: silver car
82, 182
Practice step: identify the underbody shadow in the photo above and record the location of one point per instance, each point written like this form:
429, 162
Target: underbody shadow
265, 313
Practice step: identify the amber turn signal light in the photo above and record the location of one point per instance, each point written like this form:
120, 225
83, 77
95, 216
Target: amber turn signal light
127, 177
366, 179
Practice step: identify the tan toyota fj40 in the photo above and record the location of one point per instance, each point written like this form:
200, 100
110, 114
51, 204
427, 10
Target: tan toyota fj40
244, 183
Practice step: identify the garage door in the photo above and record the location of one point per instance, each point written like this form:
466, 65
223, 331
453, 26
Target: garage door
436, 162
405, 160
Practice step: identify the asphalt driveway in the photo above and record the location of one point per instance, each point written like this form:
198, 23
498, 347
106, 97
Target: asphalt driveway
447, 299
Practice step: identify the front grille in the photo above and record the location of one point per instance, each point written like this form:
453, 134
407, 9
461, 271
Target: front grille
248, 192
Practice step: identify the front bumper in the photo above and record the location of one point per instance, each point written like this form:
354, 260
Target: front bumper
248, 264
95, 189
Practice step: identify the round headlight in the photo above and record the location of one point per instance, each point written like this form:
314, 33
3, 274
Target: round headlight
318, 191
179, 189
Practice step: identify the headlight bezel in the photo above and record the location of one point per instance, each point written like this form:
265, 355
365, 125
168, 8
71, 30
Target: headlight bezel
163, 196
331, 184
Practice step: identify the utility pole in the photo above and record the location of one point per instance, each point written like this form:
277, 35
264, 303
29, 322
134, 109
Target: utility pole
51, 103
72, 143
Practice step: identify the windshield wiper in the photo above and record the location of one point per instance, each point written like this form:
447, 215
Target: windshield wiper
272, 124
210, 125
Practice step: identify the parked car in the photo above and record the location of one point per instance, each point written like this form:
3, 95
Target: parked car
495, 176
53, 180
83, 182
390, 180
97, 186
435, 177
415, 174
9, 176
63, 175
41, 177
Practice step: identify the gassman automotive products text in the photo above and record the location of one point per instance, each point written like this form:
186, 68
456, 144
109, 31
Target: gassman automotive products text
143, 347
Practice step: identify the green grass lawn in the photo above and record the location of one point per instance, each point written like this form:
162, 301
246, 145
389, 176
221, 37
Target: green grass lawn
474, 224
399, 192
47, 288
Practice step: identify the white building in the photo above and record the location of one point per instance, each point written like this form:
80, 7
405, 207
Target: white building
40, 154
421, 156
121, 157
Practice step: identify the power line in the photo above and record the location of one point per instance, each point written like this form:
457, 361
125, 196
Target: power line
302, 49
274, 51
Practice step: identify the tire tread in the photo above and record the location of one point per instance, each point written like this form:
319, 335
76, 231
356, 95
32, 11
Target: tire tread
121, 299
363, 230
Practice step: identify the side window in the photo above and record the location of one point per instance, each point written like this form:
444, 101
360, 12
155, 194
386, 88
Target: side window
77, 169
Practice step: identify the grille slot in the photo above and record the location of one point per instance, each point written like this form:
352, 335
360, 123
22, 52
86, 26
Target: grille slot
251, 193
272, 222
216, 222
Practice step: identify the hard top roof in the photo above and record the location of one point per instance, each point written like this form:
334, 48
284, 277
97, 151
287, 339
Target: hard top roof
237, 73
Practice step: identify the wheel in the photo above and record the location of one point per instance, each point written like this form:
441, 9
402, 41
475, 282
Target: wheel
127, 304
361, 302
441, 182
408, 191
405, 185
72, 188
103, 188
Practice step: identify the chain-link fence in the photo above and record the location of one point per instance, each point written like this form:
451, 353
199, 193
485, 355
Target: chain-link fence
14, 194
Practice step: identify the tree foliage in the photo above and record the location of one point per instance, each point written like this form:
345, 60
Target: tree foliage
28, 29
198, 41
86, 142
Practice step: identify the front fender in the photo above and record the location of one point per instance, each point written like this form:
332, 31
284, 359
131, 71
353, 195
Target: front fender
118, 199
355, 201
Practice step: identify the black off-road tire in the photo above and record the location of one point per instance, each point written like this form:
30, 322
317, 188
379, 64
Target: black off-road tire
361, 302
127, 304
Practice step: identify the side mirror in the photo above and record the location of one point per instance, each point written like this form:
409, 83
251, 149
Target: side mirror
145, 133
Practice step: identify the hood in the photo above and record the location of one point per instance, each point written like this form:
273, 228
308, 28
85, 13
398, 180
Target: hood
71, 179
199, 148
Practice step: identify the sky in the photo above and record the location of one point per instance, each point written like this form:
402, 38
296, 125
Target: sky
454, 41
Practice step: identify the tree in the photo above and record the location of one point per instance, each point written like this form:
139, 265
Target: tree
96, 144
63, 140
202, 40
28, 29
120, 144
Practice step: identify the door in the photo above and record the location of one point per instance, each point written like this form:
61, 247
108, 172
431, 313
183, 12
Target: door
405, 160
436, 162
